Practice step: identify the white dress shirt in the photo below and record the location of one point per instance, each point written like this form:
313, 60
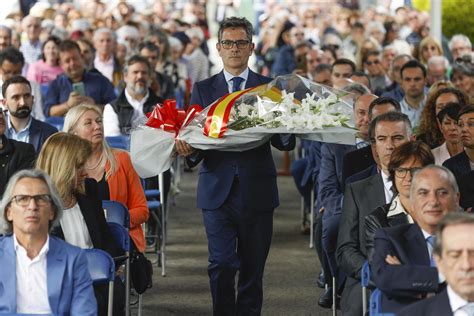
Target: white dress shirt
75, 229
457, 303
111, 121
441, 277
441, 154
106, 68
228, 77
31, 281
387, 185
413, 114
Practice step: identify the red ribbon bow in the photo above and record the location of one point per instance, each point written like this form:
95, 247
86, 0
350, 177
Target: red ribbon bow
170, 119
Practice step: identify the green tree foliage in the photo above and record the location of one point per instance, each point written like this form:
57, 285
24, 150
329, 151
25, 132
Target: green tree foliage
458, 17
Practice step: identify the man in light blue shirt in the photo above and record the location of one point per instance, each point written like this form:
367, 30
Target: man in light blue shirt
413, 81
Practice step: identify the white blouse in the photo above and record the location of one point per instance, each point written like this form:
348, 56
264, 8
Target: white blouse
75, 229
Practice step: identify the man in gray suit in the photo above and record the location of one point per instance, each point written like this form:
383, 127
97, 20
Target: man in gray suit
391, 129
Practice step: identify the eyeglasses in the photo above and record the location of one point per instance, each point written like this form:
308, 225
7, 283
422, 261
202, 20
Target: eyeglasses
24, 200
464, 59
402, 172
241, 44
369, 63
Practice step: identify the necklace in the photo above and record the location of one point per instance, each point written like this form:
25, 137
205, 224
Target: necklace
98, 163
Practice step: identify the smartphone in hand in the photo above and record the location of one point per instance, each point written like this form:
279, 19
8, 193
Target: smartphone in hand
79, 88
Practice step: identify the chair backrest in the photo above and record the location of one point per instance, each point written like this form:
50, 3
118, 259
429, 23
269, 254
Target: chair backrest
56, 121
121, 142
116, 212
120, 236
365, 274
101, 265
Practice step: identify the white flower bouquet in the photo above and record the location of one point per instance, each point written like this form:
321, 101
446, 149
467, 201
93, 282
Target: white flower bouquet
244, 120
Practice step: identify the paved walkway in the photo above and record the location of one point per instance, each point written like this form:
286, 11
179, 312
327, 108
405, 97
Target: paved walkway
291, 269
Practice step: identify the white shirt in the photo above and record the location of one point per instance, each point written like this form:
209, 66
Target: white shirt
441, 277
387, 184
456, 302
31, 281
396, 207
441, 154
111, 121
413, 114
74, 228
228, 77
106, 68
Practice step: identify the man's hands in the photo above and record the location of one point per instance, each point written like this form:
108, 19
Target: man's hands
183, 148
75, 99
393, 260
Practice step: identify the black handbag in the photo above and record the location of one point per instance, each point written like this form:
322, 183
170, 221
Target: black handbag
141, 272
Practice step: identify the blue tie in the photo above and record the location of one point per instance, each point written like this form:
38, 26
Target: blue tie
236, 82
432, 241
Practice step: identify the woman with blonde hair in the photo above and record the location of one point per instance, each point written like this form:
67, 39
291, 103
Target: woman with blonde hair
63, 157
428, 48
110, 167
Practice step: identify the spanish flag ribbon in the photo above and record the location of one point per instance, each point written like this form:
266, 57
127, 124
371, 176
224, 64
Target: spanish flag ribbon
219, 112
169, 118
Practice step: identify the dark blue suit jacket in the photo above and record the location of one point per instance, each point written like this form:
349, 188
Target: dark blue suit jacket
459, 165
255, 167
331, 189
400, 284
39, 132
437, 305
361, 175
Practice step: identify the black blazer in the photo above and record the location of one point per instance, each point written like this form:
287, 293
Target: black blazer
14, 156
39, 133
91, 209
360, 198
459, 165
402, 284
356, 161
437, 305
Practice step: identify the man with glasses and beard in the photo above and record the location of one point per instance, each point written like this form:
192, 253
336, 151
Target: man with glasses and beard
134, 102
21, 126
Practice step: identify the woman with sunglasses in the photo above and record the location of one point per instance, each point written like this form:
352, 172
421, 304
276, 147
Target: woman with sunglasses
404, 161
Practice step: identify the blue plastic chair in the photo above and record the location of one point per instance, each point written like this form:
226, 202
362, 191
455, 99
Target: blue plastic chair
120, 142
56, 121
117, 213
102, 270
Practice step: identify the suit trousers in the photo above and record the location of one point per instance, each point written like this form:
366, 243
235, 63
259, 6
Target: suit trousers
239, 239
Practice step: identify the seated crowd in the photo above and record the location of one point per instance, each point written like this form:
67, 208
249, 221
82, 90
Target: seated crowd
399, 197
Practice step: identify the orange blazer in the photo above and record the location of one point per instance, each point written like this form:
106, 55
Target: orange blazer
125, 187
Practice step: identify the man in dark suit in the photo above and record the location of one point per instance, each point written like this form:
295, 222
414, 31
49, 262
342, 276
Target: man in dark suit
330, 189
361, 159
461, 164
391, 130
403, 265
453, 255
237, 191
21, 126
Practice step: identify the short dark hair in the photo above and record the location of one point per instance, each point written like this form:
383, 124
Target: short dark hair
414, 149
451, 110
137, 59
322, 67
451, 219
12, 55
68, 45
371, 53
150, 46
384, 100
235, 22
14, 80
344, 61
465, 110
390, 117
413, 64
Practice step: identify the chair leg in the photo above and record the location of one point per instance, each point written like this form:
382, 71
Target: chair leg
110, 306
163, 225
334, 290
364, 301
127, 285
311, 220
